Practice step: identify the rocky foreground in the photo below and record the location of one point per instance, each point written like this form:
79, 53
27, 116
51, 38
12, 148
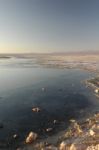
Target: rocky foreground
79, 136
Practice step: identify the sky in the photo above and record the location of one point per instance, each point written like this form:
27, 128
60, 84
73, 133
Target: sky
49, 26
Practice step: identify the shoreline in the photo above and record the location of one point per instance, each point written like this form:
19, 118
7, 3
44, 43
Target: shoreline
62, 139
94, 85
80, 134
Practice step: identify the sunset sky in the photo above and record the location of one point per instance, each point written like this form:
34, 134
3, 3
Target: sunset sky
49, 25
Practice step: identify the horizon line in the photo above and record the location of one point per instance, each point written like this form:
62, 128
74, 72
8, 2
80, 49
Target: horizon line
72, 52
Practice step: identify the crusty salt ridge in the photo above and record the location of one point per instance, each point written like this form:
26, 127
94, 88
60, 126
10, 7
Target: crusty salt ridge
31, 137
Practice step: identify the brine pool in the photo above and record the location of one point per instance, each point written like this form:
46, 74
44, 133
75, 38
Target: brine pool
60, 94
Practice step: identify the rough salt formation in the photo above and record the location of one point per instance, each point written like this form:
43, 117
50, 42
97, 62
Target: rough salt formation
36, 109
50, 148
49, 129
82, 139
93, 147
67, 145
15, 136
31, 137
83, 136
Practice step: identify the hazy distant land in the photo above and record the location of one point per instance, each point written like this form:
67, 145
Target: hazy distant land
86, 61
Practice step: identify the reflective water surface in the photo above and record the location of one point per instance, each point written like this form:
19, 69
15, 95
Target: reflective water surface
65, 96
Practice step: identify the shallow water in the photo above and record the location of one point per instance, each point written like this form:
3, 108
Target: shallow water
65, 97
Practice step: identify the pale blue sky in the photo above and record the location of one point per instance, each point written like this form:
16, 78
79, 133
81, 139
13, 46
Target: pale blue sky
49, 25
